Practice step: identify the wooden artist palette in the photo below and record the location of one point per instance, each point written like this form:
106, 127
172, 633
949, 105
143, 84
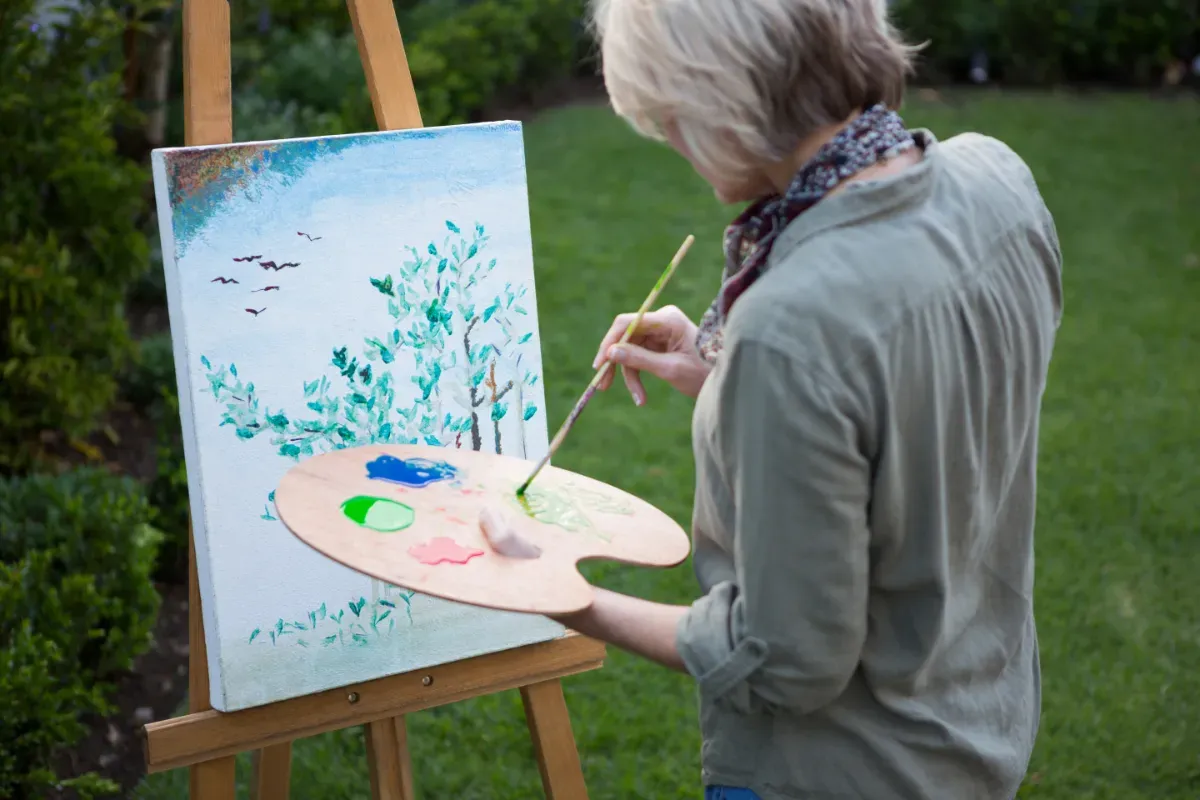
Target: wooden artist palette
410, 515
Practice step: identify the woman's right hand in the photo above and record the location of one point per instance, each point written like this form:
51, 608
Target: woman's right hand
663, 344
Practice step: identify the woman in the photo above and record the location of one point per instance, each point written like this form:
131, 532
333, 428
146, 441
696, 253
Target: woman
867, 385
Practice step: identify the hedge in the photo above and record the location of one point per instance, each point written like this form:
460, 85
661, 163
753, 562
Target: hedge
1052, 41
76, 607
70, 242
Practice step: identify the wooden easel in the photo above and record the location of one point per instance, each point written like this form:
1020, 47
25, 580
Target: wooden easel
207, 740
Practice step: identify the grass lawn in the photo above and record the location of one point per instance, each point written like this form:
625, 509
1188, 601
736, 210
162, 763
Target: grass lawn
1118, 538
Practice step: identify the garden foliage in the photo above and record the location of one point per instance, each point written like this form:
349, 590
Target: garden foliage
76, 606
70, 209
1050, 41
299, 73
150, 387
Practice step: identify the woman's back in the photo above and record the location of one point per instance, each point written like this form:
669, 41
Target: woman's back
888, 368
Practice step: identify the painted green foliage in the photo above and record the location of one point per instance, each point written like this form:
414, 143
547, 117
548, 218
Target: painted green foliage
457, 341
356, 625
466, 371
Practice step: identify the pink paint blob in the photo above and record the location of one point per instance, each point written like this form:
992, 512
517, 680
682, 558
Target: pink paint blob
455, 519
442, 549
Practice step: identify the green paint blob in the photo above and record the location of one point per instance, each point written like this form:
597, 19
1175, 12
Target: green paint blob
552, 507
378, 513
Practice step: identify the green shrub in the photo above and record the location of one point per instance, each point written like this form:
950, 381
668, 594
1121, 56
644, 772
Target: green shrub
70, 245
153, 368
304, 77
310, 81
1049, 41
94, 529
40, 705
150, 386
76, 606
168, 491
459, 64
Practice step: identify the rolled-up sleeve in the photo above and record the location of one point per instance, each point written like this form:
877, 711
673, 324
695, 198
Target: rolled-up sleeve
788, 631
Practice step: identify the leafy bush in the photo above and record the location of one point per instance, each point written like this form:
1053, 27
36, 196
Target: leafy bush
153, 369
302, 75
150, 386
70, 245
168, 491
76, 606
1048, 41
459, 64
40, 704
93, 527
309, 81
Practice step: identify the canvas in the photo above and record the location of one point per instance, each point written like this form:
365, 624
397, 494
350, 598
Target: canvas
327, 293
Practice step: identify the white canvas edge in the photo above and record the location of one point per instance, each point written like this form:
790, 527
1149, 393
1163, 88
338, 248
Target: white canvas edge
179, 349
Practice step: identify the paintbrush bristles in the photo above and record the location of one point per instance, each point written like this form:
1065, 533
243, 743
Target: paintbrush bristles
604, 368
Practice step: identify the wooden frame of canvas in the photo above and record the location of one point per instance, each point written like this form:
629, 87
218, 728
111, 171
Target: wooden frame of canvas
207, 741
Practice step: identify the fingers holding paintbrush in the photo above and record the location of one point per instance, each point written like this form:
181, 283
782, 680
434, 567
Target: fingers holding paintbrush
664, 345
606, 366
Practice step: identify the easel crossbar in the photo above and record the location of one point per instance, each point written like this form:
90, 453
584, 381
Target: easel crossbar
207, 735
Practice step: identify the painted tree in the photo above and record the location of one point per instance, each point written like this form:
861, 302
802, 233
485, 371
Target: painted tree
455, 342
437, 294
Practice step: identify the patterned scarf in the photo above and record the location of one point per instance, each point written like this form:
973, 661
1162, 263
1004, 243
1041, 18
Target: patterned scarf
876, 135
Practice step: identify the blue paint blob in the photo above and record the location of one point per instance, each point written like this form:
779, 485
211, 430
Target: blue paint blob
414, 472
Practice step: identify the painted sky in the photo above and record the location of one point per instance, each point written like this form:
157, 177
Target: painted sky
206, 183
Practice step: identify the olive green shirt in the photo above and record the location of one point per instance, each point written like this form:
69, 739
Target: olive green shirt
866, 459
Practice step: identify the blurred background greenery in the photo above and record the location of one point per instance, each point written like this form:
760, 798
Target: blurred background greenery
1098, 95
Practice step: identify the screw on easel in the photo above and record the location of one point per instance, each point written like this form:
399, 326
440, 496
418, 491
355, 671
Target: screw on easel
427, 680
352, 698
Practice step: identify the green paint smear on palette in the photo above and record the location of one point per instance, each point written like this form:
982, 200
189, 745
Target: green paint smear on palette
378, 513
567, 507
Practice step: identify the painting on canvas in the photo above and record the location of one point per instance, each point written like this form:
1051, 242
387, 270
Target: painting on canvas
326, 293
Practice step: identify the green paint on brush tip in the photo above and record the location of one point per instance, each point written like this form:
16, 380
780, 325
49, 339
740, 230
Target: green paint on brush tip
378, 513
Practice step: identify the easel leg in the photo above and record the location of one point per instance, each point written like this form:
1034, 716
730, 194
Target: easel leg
216, 779
388, 760
272, 772
553, 741
213, 780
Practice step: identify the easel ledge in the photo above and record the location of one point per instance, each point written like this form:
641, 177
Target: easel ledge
206, 740
207, 735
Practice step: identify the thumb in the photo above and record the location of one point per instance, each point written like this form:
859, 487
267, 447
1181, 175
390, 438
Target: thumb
639, 358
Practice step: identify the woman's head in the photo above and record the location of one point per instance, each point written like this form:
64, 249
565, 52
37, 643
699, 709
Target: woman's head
739, 85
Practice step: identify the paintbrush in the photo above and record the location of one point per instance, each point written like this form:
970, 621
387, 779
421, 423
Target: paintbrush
607, 365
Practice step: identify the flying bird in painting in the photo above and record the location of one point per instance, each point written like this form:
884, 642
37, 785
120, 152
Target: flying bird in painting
248, 258
277, 267
310, 238
255, 313
223, 280
265, 289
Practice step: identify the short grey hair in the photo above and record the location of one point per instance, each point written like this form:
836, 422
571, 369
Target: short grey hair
745, 81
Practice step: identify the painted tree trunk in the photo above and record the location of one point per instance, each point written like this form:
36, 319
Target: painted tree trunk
521, 414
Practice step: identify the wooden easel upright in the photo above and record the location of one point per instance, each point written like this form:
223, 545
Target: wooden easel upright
207, 740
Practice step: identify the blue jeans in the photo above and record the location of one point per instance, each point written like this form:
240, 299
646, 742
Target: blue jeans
728, 793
